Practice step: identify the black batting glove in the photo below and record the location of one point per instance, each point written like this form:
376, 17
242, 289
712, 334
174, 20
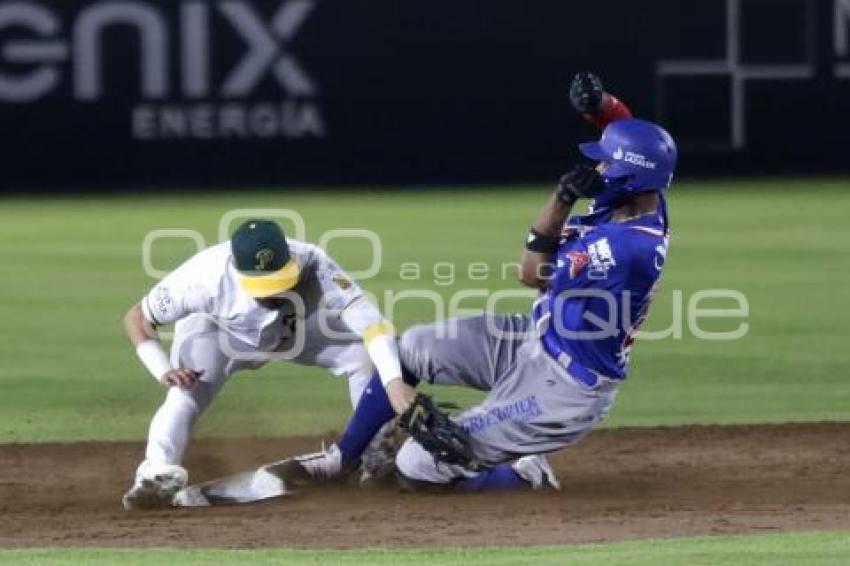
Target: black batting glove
582, 181
586, 93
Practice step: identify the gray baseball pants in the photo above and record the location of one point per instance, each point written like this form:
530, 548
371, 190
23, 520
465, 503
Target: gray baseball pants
533, 405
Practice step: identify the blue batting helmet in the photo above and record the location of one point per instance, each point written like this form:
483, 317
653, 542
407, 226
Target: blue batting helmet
641, 156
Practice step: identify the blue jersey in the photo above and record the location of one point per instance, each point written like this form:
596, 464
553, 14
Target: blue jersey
599, 294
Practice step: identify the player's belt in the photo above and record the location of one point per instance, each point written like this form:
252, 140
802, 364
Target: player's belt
576, 370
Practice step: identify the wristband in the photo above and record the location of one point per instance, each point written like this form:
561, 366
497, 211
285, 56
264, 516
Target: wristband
153, 358
541, 243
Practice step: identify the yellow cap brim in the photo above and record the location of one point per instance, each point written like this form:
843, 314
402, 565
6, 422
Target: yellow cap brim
270, 284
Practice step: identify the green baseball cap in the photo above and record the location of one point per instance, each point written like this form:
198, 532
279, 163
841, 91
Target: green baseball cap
261, 256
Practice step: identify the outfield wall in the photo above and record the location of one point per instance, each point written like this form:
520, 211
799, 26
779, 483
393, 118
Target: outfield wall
179, 93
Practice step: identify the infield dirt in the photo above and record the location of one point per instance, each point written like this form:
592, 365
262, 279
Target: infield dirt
617, 484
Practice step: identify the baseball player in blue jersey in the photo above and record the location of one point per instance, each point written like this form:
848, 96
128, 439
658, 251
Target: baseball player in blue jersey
551, 376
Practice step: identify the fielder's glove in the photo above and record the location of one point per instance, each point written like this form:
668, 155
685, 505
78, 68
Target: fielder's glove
583, 181
587, 93
437, 433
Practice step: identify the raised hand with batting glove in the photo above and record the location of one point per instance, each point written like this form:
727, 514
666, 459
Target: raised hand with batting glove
600, 108
586, 93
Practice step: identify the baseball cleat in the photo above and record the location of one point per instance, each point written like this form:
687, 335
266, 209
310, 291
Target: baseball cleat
309, 468
146, 495
192, 496
155, 486
244, 487
537, 471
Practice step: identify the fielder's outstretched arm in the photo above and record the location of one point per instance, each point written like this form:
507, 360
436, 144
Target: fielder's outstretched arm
173, 298
363, 318
380, 340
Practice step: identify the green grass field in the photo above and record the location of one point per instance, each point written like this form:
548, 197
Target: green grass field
70, 268
800, 549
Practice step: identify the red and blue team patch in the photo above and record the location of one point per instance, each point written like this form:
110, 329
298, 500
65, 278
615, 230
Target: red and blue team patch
578, 261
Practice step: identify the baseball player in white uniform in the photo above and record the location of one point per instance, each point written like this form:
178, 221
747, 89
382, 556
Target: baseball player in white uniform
238, 305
